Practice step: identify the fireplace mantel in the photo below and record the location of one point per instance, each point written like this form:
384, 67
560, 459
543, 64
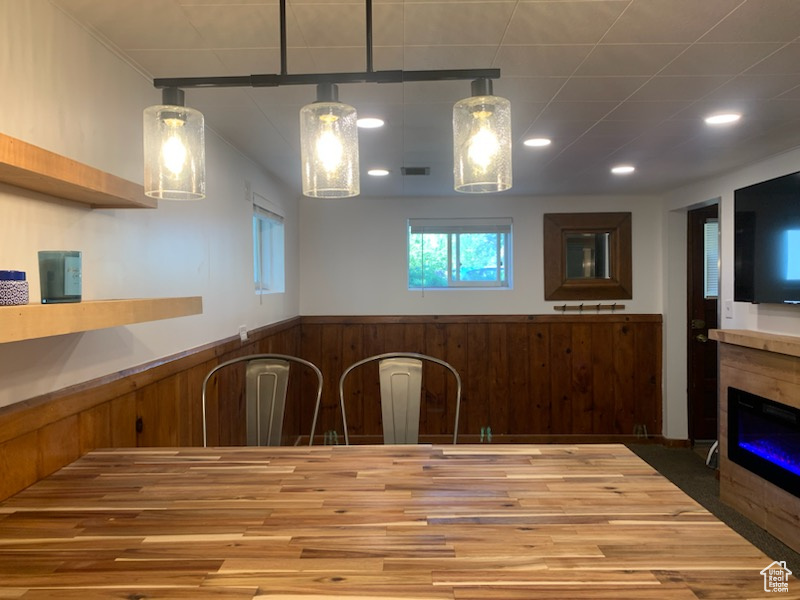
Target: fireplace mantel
758, 340
767, 365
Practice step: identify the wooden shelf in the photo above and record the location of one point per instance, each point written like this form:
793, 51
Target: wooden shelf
31, 321
758, 340
32, 168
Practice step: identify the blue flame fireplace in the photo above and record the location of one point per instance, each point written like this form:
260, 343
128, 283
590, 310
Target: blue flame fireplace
764, 437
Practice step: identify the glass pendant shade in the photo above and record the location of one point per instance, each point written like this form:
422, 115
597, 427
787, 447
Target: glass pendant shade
482, 142
329, 146
174, 151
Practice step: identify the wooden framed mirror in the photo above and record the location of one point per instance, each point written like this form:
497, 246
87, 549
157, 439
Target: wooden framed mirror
587, 256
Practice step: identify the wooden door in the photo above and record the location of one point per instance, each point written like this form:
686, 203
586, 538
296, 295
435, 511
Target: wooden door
702, 316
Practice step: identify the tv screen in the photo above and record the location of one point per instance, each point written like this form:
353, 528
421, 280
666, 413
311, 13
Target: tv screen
767, 241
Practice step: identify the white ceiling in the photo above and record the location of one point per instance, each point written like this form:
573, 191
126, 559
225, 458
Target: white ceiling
610, 81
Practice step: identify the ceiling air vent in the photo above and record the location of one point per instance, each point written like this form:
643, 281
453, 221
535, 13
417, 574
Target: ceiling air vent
416, 170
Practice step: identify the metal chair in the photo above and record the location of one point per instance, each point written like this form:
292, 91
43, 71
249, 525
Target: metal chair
267, 380
400, 376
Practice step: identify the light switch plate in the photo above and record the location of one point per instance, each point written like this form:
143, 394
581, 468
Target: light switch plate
727, 308
243, 332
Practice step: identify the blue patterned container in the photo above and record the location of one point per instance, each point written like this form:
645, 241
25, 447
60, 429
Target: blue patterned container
13, 288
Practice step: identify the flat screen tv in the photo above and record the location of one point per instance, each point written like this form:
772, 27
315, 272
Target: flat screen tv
767, 241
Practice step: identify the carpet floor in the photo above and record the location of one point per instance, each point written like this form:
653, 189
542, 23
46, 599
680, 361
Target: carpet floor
686, 468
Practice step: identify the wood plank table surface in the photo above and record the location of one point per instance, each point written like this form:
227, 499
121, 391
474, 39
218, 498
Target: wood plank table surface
467, 522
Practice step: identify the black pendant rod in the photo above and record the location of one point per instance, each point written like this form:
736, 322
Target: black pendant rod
369, 36
270, 80
284, 69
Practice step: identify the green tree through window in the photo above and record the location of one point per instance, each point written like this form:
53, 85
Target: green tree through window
444, 253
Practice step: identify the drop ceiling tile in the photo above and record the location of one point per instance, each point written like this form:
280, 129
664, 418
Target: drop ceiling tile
295, 96
540, 61
646, 112
678, 88
425, 58
239, 25
660, 128
434, 92
529, 89
258, 61
438, 23
628, 129
749, 87
561, 132
596, 89
792, 94
222, 99
607, 143
179, 63
342, 27
787, 109
759, 21
628, 60
675, 130
719, 59
523, 115
667, 21
338, 60
577, 111
785, 61
565, 22
155, 24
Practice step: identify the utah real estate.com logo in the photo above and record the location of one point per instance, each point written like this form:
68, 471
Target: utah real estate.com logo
776, 577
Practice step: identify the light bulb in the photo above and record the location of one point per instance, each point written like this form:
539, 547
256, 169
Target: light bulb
329, 151
174, 155
483, 147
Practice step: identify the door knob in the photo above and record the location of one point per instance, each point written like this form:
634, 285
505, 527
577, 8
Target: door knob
701, 337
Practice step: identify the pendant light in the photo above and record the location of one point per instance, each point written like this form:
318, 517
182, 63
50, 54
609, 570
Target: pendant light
174, 149
482, 141
329, 146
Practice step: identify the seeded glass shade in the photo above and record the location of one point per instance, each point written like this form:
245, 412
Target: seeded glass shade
482, 142
174, 153
329, 148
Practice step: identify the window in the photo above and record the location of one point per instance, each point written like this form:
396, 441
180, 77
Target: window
267, 247
711, 262
448, 253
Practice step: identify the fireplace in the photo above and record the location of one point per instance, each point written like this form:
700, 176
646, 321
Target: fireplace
764, 438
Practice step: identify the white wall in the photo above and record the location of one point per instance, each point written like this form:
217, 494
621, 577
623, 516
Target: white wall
765, 317
353, 254
67, 93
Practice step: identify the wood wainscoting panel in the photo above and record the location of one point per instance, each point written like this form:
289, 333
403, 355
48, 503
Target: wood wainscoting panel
530, 378
523, 376
157, 404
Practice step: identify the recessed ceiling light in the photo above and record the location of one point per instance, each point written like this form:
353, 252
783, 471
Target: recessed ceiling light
378, 172
537, 142
723, 118
623, 169
370, 123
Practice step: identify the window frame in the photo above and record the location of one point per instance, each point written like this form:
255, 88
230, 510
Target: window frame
269, 247
454, 229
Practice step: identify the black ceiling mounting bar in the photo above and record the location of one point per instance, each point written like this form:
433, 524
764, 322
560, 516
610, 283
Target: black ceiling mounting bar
284, 78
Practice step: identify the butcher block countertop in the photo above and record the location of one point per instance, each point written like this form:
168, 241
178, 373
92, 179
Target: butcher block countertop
467, 522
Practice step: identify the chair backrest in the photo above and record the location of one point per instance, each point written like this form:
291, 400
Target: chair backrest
266, 383
400, 376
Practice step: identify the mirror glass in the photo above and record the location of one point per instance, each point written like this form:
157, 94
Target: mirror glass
587, 255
